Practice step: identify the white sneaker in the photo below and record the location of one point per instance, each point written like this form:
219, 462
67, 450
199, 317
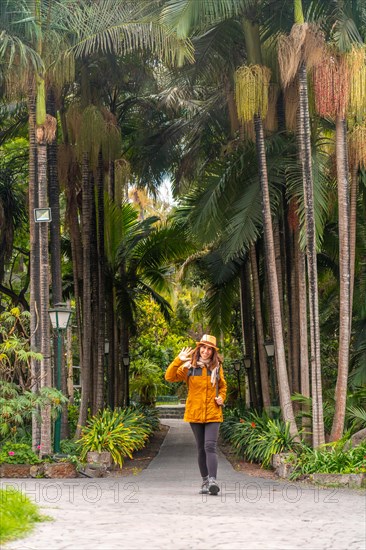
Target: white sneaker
213, 487
204, 488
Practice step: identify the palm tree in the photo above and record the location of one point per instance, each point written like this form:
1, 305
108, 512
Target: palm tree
139, 256
183, 15
293, 63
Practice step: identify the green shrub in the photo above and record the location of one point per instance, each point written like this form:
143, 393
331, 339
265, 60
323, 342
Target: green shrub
72, 417
18, 406
257, 437
120, 432
17, 453
146, 380
69, 447
17, 514
150, 416
330, 459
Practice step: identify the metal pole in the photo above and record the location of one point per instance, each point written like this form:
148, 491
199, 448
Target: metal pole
273, 382
238, 375
57, 440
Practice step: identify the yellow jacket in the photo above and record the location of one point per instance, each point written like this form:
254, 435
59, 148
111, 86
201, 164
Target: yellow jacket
200, 405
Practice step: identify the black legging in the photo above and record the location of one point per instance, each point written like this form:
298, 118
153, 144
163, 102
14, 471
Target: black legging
206, 439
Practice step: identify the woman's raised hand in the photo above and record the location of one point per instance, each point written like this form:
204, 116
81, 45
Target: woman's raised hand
185, 354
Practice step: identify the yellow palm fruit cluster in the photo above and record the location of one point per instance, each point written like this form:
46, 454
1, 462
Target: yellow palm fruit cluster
251, 91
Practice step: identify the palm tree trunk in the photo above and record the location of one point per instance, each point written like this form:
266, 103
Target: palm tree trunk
263, 366
93, 252
118, 383
303, 332
77, 256
110, 319
247, 330
306, 163
55, 249
85, 366
293, 311
46, 378
344, 276
353, 227
34, 301
283, 385
99, 400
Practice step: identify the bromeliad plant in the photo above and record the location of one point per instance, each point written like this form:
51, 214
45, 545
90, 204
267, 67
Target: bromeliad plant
257, 437
119, 432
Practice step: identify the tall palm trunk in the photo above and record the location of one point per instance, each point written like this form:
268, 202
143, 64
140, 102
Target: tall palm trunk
99, 398
263, 366
304, 137
34, 258
46, 379
93, 253
55, 249
87, 331
247, 330
299, 258
77, 256
254, 56
353, 226
277, 327
344, 276
293, 307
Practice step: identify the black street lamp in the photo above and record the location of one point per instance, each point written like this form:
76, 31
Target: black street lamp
60, 317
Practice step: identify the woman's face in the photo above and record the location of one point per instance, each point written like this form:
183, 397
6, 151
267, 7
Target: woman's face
206, 352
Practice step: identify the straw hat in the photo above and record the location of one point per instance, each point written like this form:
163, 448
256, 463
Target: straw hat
208, 340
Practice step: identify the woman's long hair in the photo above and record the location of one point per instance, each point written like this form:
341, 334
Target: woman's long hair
215, 359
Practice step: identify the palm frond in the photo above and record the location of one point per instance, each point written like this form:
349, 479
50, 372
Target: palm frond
110, 26
188, 17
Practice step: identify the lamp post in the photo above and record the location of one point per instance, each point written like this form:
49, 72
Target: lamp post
60, 317
237, 367
126, 364
270, 350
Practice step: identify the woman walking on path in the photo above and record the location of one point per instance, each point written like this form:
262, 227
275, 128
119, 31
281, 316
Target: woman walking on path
201, 368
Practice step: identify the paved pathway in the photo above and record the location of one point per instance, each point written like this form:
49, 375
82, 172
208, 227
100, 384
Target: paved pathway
161, 509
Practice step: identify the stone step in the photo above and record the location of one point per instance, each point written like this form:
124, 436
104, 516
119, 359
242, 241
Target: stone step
171, 411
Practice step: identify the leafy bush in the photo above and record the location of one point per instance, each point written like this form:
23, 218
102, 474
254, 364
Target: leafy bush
150, 416
18, 514
120, 432
69, 447
146, 381
17, 453
257, 437
72, 417
18, 406
331, 458
15, 352
355, 418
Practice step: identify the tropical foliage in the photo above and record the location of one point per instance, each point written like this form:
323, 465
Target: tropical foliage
18, 407
330, 459
119, 432
258, 124
17, 453
257, 437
